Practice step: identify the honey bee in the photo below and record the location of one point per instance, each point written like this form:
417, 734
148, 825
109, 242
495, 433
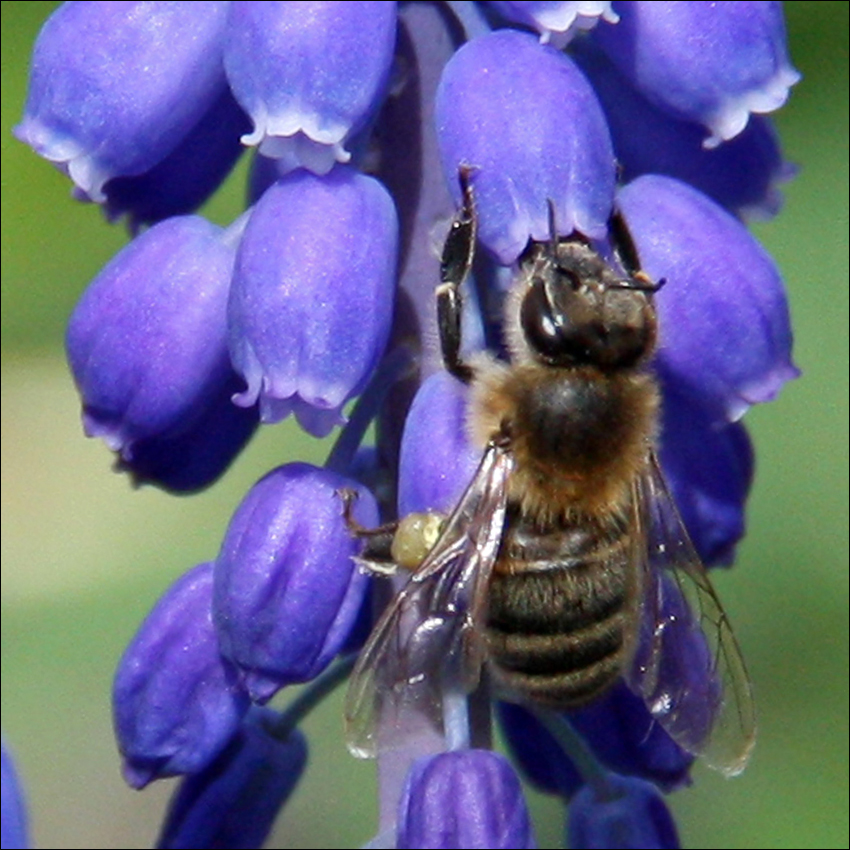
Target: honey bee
565, 564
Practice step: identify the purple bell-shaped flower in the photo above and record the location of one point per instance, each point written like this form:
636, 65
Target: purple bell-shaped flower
147, 344
176, 701
287, 592
311, 302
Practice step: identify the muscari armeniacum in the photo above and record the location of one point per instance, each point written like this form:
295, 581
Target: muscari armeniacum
363, 114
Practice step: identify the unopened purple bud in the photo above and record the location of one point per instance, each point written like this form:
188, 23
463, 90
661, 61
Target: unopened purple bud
709, 467
13, 822
725, 332
742, 175
310, 75
234, 801
437, 459
147, 342
194, 459
557, 21
176, 701
525, 121
622, 813
181, 182
676, 674
287, 592
312, 296
618, 729
98, 117
626, 738
465, 798
711, 63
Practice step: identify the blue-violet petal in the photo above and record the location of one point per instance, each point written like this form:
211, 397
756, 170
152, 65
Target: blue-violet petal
312, 295
465, 798
98, 118
709, 468
147, 342
13, 822
176, 702
437, 459
234, 801
557, 21
527, 123
309, 74
742, 175
711, 63
725, 332
623, 813
287, 592
181, 182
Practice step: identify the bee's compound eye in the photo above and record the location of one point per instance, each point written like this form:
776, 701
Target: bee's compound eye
543, 323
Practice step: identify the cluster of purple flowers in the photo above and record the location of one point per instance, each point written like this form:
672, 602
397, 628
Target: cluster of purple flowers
361, 114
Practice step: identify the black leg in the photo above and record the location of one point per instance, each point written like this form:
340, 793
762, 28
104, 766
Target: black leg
377, 542
624, 245
456, 262
627, 254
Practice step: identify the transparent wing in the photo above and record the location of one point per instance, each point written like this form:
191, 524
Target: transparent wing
428, 644
688, 666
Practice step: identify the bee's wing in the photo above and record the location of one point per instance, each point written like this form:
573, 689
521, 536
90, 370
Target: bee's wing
428, 642
688, 666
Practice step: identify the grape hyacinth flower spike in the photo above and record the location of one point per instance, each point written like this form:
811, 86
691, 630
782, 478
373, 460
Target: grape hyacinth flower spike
15, 830
380, 133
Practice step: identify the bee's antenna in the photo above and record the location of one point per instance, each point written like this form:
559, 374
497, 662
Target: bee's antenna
553, 229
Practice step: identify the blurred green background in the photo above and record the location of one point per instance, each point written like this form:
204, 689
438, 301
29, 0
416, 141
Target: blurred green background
84, 556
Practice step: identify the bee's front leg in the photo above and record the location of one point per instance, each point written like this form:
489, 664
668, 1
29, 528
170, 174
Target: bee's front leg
627, 254
456, 262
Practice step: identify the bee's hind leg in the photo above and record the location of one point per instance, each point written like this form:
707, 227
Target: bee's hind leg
376, 555
455, 264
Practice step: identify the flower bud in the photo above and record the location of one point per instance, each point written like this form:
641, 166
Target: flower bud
234, 801
310, 75
437, 460
711, 63
176, 702
287, 592
724, 328
626, 738
527, 124
312, 296
147, 344
742, 174
709, 468
464, 798
194, 459
676, 672
619, 731
181, 182
99, 117
556, 22
623, 813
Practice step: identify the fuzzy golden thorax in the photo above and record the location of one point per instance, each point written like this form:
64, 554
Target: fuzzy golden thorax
581, 437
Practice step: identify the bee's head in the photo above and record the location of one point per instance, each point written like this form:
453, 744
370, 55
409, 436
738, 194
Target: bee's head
575, 310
